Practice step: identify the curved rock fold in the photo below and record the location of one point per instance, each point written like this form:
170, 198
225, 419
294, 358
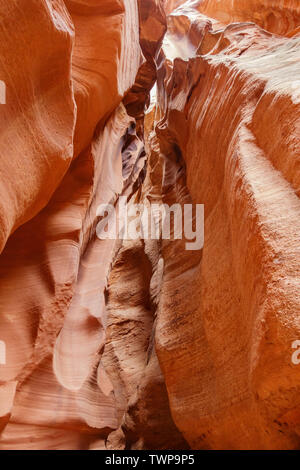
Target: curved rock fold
142, 344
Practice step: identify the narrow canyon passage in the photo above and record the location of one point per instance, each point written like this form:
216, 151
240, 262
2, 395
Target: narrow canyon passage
118, 343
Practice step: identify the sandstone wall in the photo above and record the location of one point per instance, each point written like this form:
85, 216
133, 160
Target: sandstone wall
142, 344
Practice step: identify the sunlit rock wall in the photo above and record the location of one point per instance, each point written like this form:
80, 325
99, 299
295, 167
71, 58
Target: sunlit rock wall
142, 344
229, 104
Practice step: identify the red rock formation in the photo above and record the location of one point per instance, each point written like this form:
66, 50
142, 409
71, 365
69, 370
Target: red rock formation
51, 294
141, 344
33, 161
231, 348
279, 17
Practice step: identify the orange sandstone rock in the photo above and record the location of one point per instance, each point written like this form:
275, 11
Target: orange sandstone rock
227, 321
38, 118
141, 344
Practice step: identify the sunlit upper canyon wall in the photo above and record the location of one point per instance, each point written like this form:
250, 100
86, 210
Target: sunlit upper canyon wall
143, 344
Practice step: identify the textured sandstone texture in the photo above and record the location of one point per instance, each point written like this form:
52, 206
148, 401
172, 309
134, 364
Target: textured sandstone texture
141, 344
229, 99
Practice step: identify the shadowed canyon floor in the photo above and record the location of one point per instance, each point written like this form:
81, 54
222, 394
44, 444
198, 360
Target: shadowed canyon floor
142, 344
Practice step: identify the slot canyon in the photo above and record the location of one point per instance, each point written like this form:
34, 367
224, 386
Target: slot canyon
138, 344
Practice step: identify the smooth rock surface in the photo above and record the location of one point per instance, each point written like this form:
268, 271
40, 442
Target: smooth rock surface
142, 344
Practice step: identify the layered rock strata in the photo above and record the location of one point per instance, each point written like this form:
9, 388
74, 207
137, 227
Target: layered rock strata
142, 344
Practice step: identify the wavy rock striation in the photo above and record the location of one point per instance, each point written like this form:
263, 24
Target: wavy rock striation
142, 344
229, 99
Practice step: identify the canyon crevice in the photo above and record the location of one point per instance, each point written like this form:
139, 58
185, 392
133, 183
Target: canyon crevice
143, 344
